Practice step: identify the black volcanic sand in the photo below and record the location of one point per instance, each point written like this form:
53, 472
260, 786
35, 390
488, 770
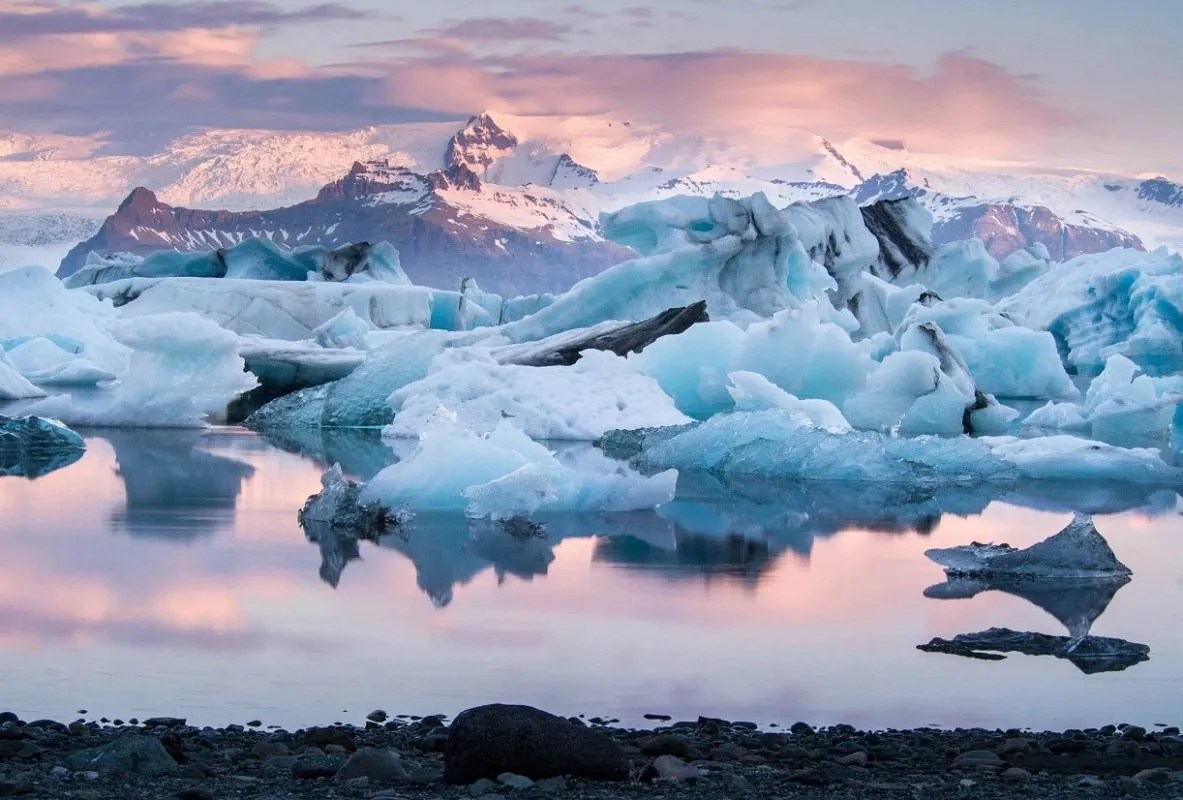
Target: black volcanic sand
734, 759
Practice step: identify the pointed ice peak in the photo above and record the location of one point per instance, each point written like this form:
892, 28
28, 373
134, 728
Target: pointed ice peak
1078, 551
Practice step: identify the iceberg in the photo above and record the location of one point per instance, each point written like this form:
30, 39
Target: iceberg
55, 333
254, 259
503, 474
281, 309
1078, 551
14, 385
184, 370
775, 444
1122, 302
1090, 655
1121, 403
598, 393
31, 447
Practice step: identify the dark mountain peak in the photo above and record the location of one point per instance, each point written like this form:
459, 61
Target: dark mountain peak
473, 149
140, 199
1161, 190
891, 186
569, 174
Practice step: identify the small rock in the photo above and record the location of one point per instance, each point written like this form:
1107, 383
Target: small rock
555, 784
669, 768
966, 783
267, 750
481, 787
1015, 774
1018, 744
810, 777
1159, 776
317, 766
255, 723
1090, 782
163, 722
425, 776
335, 750
1135, 732
737, 784
858, 759
978, 759
1123, 747
276, 763
658, 717
514, 781
380, 766
193, 794
130, 753
377, 716
322, 737
665, 745
58, 773
801, 729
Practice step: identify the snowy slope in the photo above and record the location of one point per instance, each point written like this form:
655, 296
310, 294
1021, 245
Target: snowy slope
556, 175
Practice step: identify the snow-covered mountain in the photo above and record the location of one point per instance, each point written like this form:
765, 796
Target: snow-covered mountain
519, 185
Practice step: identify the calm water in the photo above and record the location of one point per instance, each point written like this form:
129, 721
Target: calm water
165, 573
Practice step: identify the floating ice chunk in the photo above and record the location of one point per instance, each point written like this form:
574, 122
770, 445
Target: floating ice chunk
600, 392
183, 371
14, 385
45, 362
279, 309
1071, 458
804, 355
754, 392
346, 329
1004, 359
252, 259
505, 474
1120, 403
1078, 551
33, 303
1120, 302
773, 444
1057, 416
32, 446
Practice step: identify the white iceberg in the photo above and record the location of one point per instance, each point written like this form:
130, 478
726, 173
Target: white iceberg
504, 474
184, 371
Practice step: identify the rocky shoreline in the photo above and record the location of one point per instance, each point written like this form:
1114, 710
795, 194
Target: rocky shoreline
415, 758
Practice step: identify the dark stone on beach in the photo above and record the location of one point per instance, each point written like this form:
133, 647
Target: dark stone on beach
1135, 732
379, 766
318, 766
487, 741
321, 737
163, 722
665, 745
14, 789
8, 716
130, 753
658, 717
11, 749
801, 729
377, 716
193, 794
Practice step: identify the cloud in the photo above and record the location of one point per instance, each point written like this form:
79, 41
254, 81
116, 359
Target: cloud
152, 69
506, 29
961, 104
37, 19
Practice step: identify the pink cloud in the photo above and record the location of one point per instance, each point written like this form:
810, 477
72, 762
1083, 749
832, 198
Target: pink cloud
962, 104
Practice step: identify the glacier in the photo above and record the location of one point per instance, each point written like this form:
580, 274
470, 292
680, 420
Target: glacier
256, 259
820, 341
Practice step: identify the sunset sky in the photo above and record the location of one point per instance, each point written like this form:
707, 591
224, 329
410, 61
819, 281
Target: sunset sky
1072, 82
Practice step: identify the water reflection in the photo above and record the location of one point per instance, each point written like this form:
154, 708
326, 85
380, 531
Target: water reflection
361, 452
714, 529
174, 488
1076, 602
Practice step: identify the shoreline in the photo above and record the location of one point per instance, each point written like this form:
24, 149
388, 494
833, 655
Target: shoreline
403, 757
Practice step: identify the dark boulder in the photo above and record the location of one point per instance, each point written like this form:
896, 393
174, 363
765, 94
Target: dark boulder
487, 741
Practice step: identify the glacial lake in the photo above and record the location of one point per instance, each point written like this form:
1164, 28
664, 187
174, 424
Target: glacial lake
165, 573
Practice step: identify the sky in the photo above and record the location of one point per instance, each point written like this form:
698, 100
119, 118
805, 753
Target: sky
1080, 83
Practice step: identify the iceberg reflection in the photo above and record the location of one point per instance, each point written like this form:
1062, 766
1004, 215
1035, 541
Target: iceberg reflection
174, 489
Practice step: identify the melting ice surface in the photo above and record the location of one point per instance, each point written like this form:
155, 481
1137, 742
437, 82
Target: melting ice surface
184, 585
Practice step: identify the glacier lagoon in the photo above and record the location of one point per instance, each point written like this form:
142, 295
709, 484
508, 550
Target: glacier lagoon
165, 572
